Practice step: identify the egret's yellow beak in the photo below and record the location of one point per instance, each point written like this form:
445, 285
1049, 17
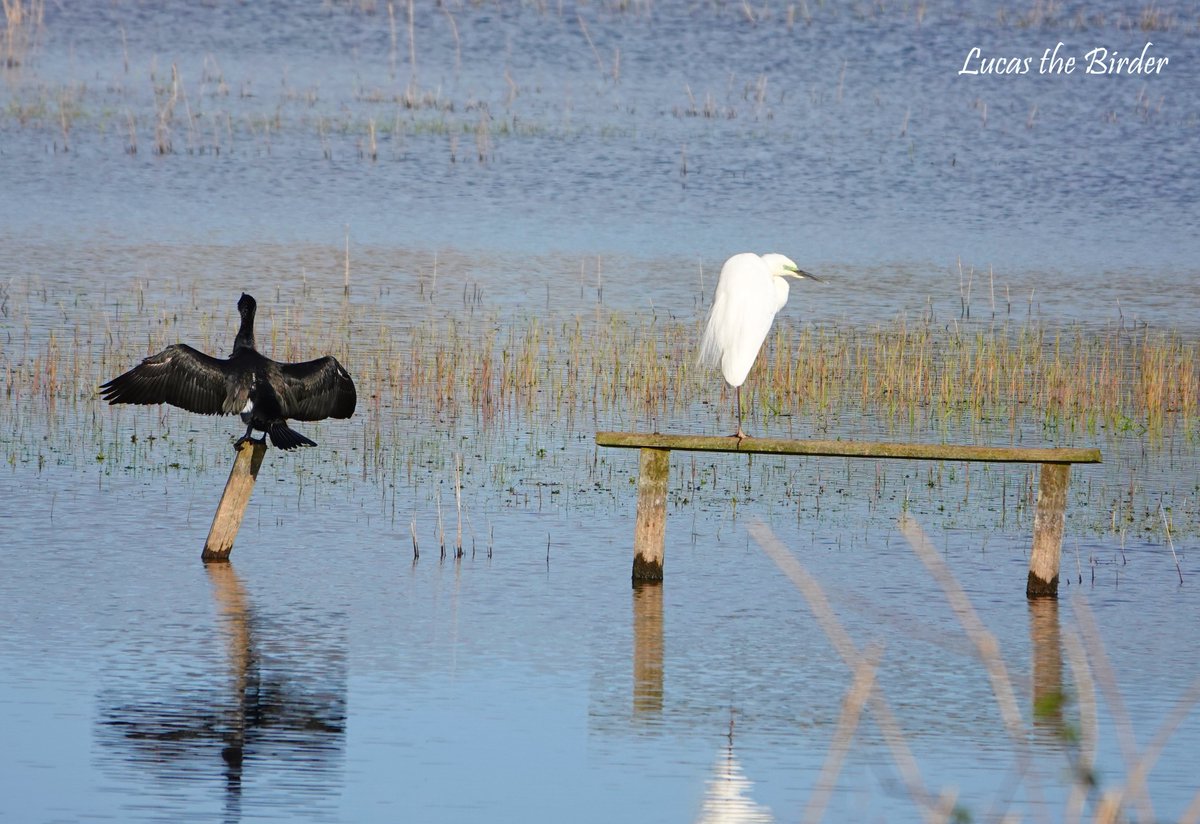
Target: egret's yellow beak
800, 274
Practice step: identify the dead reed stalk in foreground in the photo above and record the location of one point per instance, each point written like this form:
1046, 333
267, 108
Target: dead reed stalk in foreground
23, 19
1089, 661
843, 735
984, 641
848, 651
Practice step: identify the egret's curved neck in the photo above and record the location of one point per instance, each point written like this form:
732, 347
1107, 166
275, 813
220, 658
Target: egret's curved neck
781, 292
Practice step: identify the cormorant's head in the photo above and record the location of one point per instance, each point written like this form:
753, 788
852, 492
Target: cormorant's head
245, 335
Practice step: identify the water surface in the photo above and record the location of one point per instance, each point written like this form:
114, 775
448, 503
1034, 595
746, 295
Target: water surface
570, 165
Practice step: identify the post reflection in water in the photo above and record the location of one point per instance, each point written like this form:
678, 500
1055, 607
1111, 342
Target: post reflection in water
647, 648
275, 710
1045, 638
231, 598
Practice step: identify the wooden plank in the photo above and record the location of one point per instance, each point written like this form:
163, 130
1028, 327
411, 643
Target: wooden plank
651, 525
1048, 520
228, 518
851, 449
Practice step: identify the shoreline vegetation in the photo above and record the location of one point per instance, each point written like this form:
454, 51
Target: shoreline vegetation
520, 397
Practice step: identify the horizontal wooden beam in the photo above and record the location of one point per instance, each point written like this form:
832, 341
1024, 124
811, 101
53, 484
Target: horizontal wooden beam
850, 449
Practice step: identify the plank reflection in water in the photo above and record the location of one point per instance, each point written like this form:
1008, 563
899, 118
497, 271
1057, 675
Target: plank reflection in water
276, 708
647, 648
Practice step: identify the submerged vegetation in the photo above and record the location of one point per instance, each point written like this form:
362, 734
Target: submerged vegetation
168, 105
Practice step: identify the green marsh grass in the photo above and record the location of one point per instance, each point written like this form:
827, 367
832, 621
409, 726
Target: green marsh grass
518, 398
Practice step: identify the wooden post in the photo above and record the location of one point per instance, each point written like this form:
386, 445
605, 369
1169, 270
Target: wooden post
228, 518
655, 463
1048, 531
651, 524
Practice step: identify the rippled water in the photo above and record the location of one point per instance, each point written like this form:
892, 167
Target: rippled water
560, 162
354, 683
683, 132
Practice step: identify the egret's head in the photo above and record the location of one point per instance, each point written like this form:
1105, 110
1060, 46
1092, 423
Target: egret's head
783, 267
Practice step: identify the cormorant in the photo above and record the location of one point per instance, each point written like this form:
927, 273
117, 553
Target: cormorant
264, 392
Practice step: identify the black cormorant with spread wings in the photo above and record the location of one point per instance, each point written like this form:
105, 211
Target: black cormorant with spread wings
264, 392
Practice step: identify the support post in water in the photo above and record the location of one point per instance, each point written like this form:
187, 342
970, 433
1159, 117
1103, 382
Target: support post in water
650, 527
655, 462
1045, 558
228, 519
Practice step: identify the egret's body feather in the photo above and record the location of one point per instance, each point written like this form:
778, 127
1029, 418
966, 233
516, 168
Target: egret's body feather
744, 306
750, 291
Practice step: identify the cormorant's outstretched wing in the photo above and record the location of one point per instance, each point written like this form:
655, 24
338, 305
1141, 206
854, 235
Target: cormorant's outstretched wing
181, 376
315, 389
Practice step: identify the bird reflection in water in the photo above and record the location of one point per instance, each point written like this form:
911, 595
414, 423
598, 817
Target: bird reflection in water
727, 796
277, 709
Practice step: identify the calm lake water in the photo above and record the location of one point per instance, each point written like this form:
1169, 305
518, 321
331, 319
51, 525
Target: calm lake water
499, 163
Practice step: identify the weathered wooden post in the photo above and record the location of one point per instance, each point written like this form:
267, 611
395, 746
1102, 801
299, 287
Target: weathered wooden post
1048, 531
655, 463
650, 527
228, 518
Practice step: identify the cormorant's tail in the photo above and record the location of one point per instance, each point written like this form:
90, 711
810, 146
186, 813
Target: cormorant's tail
284, 438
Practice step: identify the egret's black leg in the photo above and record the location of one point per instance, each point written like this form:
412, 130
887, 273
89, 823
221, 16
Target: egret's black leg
737, 395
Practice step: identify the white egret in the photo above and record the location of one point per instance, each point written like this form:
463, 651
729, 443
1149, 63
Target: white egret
750, 291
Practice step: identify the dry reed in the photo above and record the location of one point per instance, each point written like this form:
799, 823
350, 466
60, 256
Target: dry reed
1133, 393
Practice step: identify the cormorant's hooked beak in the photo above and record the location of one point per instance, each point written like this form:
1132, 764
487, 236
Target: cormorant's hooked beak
800, 274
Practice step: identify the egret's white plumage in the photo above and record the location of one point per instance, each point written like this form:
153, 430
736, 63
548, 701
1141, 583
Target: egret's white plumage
751, 290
